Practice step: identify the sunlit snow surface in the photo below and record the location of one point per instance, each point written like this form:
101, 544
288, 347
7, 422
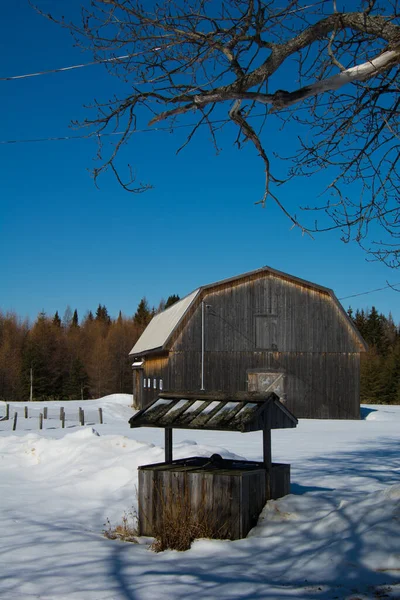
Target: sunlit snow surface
337, 536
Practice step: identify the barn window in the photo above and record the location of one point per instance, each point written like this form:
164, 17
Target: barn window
161, 384
155, 384
144, 382
149, 383
266, 332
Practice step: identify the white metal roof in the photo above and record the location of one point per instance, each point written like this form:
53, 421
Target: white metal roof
162, 325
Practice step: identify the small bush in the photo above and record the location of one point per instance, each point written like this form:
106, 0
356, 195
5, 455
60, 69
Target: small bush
125, 531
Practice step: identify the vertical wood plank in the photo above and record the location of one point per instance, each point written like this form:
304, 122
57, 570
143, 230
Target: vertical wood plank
168, 445
267, 447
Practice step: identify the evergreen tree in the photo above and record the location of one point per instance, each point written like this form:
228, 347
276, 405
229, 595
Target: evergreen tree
374, 334
75, 320
390, 376
56, 319
102, 315
360, 322
371, 377
143, 314
171, 300
44, 353
77, 383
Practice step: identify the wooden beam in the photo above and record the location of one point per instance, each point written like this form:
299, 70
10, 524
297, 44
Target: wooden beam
168, 445
267, 448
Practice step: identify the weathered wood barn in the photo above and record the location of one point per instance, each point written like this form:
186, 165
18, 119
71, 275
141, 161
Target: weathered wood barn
261, 331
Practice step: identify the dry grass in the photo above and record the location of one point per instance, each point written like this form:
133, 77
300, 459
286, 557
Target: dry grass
126, 531
178, 525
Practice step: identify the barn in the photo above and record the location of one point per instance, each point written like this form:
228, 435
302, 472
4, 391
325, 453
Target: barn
261, 331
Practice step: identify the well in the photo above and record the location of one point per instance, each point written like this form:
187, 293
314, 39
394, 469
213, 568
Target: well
229, 493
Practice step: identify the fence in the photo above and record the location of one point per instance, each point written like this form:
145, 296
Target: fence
28, 417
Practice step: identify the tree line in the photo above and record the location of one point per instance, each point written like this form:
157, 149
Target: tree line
380, 366
64, 358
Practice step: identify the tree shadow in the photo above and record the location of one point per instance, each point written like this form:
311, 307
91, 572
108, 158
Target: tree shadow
299, 490
364, 412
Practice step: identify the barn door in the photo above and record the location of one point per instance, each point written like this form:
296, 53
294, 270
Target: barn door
267, 381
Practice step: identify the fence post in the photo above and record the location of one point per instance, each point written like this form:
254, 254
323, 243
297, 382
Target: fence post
41, 421
45, 412
7, 411
26, 412
15, 421
101, 416
81, 416
61, 412
63, 419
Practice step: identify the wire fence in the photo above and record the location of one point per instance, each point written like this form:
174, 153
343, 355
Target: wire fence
28, 417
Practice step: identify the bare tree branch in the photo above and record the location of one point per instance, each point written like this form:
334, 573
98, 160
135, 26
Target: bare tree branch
185, 61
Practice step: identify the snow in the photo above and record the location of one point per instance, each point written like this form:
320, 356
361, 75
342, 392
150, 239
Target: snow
336, 536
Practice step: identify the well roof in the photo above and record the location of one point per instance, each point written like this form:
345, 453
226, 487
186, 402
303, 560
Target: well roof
246, 412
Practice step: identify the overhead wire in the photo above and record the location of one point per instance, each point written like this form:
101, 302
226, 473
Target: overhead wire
105, 134
70, 68
371, 291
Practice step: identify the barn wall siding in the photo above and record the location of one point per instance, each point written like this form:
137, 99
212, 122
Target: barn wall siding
307, 320
317, 385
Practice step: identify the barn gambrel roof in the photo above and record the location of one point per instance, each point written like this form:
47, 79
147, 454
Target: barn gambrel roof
158, 335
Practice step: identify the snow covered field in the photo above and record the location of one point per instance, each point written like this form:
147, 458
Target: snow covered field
337, 536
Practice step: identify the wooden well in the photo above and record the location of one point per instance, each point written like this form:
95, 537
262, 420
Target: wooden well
228, 494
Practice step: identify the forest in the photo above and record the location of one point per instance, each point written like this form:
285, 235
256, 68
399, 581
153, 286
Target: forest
65, 358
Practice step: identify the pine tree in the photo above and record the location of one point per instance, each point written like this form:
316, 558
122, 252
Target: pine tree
102, 315
143, 314
56, 319
371, 377
374, 334
390, 375
171, 300
44, 353
75, 320
360, 321
77, 383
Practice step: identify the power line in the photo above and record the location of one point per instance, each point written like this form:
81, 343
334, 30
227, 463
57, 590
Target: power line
57, 139
106, 134
70, 68
371, 291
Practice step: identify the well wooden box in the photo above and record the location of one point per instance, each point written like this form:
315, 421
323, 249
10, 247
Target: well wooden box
231, 494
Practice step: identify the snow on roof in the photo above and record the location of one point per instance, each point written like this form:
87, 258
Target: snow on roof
162, 325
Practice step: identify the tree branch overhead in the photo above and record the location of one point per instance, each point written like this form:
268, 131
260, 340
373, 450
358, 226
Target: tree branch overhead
192, 56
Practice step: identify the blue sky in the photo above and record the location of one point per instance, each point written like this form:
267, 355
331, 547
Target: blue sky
65, 242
